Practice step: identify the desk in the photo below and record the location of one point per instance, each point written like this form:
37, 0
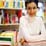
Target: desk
38, 43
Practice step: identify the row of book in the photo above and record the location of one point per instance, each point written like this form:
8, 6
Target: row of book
11, 0
10, 16
10, 4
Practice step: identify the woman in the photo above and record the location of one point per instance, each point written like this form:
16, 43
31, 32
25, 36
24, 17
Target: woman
31, 27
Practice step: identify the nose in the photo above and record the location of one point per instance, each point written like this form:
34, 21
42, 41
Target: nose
32, 10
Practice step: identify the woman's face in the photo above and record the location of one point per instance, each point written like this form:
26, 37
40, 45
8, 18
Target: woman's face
31, 8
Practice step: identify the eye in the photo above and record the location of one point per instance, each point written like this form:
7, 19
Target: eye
29, 8
34, 7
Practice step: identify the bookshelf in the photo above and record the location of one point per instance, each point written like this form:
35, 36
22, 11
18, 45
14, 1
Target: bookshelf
10, 13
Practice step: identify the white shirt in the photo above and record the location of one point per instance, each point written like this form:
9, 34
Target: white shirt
30, 28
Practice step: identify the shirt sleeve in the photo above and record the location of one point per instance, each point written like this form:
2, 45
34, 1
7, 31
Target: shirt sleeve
20, 34
31, 38
42, 29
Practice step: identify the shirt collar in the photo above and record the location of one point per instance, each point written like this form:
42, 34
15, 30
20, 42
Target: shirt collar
30, 19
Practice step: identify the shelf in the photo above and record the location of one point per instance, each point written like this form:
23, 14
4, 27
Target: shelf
13, 0
9, 26
11, 5
12, 8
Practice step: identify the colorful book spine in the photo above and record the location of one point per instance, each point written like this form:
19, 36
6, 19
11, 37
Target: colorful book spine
6, 4
14, 4
21, 4
9, 0
18, 4
1, 4
10, 4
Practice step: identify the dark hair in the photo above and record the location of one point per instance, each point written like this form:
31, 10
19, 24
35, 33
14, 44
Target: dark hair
29, 1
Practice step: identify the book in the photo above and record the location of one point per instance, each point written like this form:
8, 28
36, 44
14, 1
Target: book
1, 4
10, 4
21, 4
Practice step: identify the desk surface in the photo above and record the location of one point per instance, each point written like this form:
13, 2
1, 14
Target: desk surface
38, 43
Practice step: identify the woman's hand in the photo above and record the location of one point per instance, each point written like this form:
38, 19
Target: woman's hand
22, 41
